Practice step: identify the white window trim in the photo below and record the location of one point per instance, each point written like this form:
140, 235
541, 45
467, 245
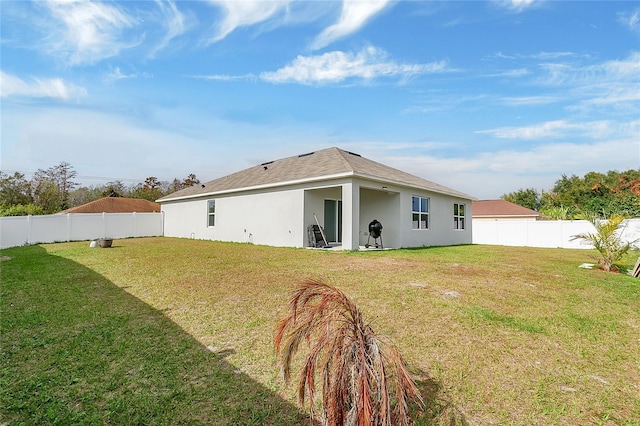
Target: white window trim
427, 213
458, 216
209, 214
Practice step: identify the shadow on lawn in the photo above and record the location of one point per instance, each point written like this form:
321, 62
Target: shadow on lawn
77, 349
437, 410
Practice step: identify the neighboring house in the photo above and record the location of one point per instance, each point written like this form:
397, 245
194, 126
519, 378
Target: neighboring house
502, 209
276, 202
116, 205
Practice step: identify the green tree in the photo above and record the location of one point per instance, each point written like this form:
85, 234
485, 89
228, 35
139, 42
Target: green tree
14, 189
528, 198
603, 195
61, 177
364, 379
47, 196
150, 190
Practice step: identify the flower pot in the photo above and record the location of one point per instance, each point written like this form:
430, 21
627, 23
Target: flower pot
105, 242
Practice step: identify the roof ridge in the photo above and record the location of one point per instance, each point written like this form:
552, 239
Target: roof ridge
343, 155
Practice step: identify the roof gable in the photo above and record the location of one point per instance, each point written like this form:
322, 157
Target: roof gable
326, 163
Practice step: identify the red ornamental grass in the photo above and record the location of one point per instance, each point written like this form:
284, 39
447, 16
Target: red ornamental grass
364, 379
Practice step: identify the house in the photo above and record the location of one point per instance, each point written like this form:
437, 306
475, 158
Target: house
276, 202
501, 210
116, 205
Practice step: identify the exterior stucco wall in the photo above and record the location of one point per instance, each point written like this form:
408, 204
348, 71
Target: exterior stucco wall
440, 232
384, 207
391, 205
273, 218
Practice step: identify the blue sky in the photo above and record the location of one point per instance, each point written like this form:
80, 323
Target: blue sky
484, 97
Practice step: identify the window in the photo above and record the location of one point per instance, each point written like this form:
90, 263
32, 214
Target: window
420, 212
458, 216
211, 213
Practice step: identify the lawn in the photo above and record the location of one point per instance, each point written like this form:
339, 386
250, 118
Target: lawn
177, 331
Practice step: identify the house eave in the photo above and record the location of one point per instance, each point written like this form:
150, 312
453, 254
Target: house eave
413, 186
258, 187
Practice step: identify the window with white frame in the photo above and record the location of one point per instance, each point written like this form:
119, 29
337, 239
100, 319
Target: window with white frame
211, 213
458, 216
420, 212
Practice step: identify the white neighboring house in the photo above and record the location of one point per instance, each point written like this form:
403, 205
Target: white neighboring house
274, 204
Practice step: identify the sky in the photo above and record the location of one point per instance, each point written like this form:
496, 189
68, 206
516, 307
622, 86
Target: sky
483, 97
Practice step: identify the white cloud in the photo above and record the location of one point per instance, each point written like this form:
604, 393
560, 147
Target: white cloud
517, 5
553, 129
222, 77
244, 13
630, 19
335, 67
174, 21
355, 14
530, 100
90, 31
54, 88
116, 75
627, 69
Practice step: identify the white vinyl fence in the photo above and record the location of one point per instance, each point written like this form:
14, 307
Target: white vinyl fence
21, 230
542, 233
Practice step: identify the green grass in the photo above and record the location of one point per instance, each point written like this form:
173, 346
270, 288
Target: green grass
170, 331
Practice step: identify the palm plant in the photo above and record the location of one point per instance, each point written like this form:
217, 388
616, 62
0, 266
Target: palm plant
607, 240
364, 379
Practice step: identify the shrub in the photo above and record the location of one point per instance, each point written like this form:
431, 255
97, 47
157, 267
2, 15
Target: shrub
607, 240
21, 210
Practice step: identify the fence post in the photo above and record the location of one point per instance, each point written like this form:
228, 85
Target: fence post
104, 225
134, 224
29, 231
68, 226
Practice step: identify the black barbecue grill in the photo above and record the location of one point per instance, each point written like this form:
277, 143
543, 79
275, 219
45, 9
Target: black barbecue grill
375, 231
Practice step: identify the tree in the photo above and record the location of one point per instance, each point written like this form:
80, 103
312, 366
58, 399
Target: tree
61, 176
364, 379
607, 240
150, 190
603, 195
47, 196
14, 189
114, 189
177, 184
528, 198
190, 180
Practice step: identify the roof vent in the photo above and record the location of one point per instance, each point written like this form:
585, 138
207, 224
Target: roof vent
268, 162
306, 155
353, 153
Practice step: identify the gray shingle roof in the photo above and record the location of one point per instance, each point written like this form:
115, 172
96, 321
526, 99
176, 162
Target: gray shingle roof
327, 163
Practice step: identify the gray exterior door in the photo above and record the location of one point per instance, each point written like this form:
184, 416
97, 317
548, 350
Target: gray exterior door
333, 220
